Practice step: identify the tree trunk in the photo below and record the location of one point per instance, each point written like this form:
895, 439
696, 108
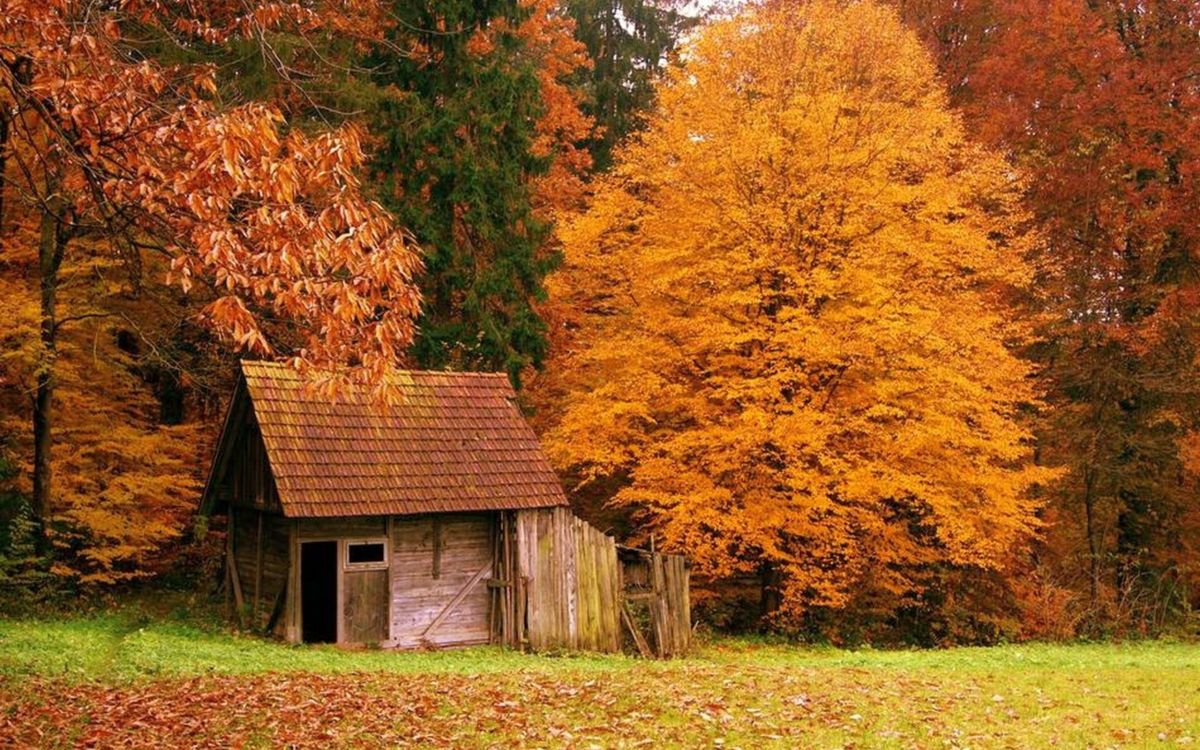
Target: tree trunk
1134, 526
3, 164
770, 580
51, 246
1089, 508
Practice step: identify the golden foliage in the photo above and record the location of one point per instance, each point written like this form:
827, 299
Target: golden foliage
125, 484
795, 342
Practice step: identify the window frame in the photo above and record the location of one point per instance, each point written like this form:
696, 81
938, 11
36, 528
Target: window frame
372, 565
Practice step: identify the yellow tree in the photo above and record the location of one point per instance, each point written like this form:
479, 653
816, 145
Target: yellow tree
796, 356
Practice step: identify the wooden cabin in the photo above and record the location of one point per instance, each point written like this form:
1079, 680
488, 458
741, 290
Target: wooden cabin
432, 522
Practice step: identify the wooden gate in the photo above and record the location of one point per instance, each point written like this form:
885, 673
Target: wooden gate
656, 606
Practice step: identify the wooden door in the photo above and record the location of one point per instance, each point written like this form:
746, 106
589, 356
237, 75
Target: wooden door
440, 568
365, 606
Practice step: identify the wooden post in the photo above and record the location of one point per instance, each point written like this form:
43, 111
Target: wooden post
505, 594
292, 628
388, 527
258, 572
341, 591
235, 580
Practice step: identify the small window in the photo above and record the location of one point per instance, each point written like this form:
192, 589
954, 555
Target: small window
366, 554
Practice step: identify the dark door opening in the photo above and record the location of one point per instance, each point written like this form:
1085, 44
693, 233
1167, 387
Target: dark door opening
318, 591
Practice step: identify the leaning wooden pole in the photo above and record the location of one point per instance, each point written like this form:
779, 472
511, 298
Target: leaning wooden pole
235, 580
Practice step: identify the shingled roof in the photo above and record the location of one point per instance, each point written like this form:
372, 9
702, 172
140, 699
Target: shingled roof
453, 441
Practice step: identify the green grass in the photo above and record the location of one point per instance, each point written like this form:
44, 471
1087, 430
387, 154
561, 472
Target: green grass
116, 647
63, 678
120, 646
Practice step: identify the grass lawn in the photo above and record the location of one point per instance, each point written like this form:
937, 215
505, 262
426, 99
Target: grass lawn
120, 680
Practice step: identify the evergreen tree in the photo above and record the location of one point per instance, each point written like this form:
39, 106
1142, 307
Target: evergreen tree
630, 43
457, 123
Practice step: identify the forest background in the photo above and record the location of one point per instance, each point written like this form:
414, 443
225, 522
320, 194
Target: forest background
884, 314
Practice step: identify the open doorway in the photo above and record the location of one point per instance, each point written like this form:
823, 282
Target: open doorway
318, 591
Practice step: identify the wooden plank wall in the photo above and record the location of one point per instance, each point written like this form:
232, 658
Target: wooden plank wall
440, 567
357, 527
261, 549
249, 477
572, 582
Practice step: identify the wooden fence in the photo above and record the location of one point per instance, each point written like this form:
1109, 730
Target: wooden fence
561, 583
573, 582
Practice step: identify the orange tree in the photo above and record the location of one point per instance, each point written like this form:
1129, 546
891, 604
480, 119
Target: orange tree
115, 161
795, 357
1098, 103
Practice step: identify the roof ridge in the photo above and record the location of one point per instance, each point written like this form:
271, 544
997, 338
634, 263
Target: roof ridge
285, 366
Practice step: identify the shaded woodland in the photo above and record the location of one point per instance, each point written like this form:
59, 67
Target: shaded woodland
883, 313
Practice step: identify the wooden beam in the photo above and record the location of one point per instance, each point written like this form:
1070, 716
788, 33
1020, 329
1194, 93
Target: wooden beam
639, 640
341, 590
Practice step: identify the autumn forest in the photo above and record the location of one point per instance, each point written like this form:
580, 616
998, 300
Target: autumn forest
885, 313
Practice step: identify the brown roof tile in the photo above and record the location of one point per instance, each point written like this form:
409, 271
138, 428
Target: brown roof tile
453, 441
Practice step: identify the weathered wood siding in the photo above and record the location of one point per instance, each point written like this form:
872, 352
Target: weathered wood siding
261, 556
538, 578
572, 582
249, 481
440, 566
364, 527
